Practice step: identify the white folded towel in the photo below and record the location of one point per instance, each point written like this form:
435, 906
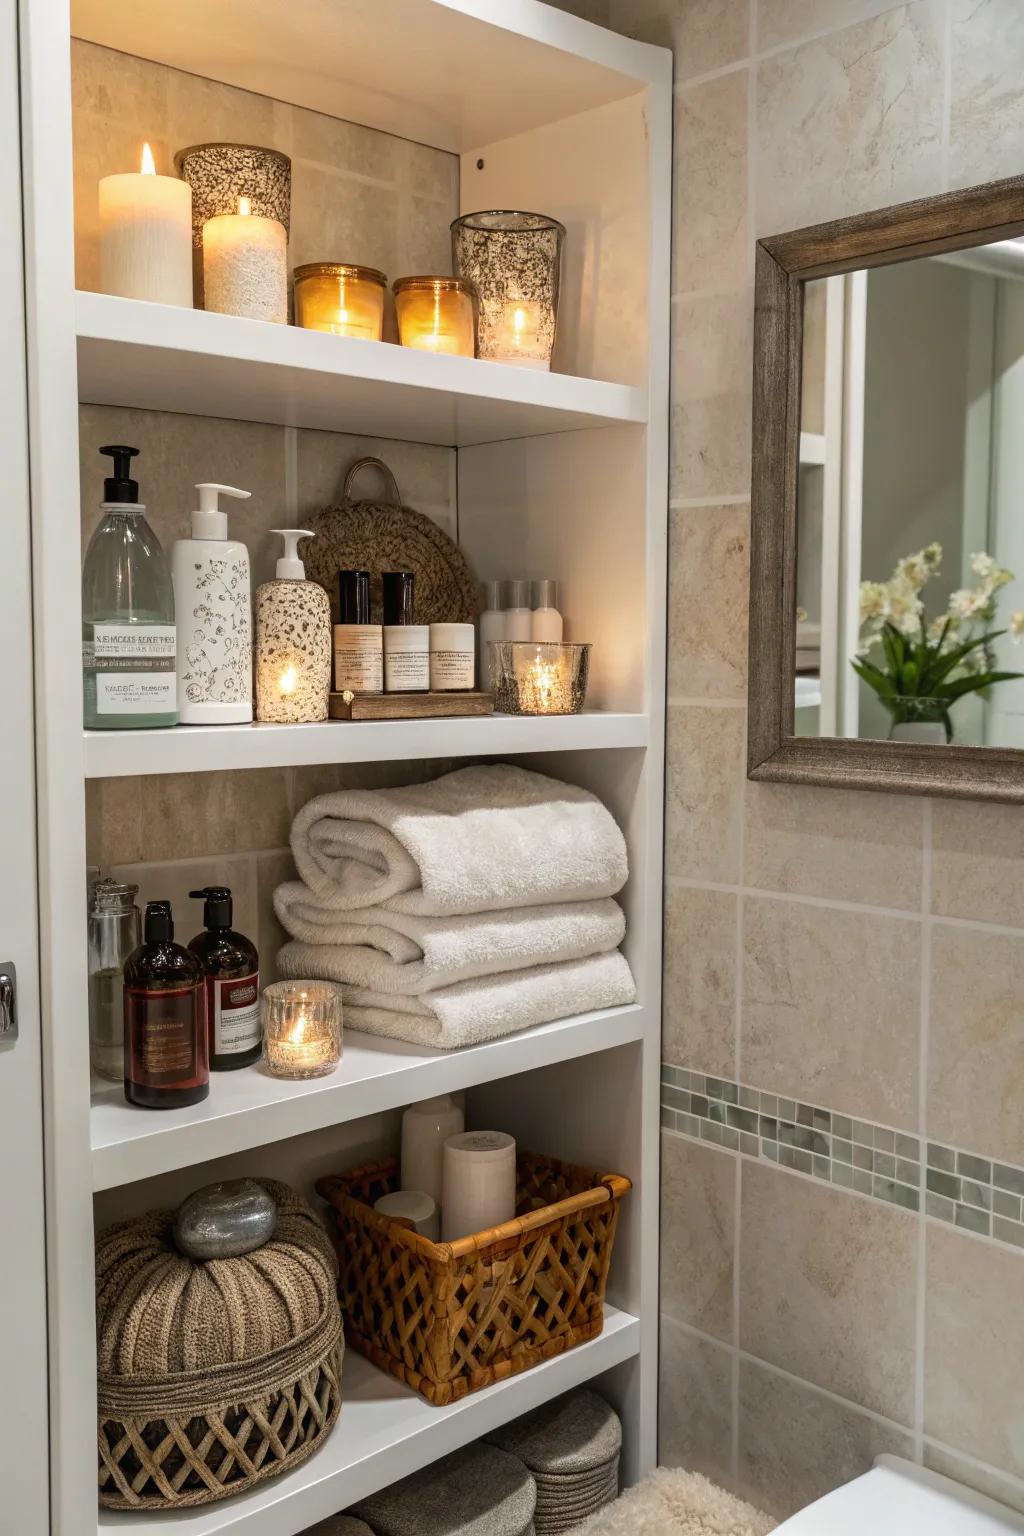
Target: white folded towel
473, 1011
477, 840
386, 951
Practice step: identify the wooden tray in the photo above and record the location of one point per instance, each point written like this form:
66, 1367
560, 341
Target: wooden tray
408, 706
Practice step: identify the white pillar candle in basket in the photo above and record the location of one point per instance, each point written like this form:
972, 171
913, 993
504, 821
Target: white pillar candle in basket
245, 268
425, 1129
414, 1206
479, 1186
146, 236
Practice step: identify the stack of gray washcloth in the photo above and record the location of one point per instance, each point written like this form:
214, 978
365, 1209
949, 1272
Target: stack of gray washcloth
478, 1491
571, 1448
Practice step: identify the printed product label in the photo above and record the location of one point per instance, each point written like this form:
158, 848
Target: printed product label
234, 1009
133, 665
406, 670
451, 670
358, 660
163, 1027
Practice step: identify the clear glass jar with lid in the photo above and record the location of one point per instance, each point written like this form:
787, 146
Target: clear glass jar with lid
115, 930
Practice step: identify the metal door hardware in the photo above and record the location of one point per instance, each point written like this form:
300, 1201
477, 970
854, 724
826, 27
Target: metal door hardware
8, 1003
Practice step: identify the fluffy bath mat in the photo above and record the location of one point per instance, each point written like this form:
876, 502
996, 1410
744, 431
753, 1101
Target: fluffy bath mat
677, 1503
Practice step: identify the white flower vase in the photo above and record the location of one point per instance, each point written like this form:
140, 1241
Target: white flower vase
922, 721
929, 733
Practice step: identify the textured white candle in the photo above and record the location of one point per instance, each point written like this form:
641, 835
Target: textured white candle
146, 236
245, 266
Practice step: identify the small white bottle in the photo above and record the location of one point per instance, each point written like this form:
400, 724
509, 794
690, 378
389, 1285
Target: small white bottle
492, 628
545, 621
518, 616
213, 614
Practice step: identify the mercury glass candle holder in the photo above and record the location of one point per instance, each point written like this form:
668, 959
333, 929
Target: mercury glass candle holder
540, 678
436, 314
221, 174
514, 261
301, 1028
342, 299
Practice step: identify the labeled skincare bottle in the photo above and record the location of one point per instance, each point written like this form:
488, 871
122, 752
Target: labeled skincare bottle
492, 629
545, 620
406, 645
166, 1064
358, 644
518, 615
231, 968
212, 602
293, 641
452, 657
128, 636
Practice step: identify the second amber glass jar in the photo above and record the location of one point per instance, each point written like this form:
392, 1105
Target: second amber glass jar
437, 314
344, 300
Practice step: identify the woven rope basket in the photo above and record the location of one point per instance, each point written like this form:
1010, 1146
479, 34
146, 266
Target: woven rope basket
215, 1375
451, 1318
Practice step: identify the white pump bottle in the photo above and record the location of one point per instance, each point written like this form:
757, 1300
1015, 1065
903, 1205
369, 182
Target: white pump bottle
213, 613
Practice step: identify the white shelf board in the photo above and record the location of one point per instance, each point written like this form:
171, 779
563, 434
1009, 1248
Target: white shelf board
467, 72
812, 448
385, 1432
204, 748
249, 1108
163, 358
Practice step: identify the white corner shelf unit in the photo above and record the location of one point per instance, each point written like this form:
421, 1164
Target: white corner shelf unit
565, 473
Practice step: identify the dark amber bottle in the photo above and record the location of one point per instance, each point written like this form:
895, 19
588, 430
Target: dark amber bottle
231, 967
166, 1062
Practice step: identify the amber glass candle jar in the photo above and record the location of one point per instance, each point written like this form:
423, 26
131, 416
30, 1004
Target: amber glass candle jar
437, 314
344, 300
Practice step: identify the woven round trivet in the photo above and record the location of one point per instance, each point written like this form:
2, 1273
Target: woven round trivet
478, 1491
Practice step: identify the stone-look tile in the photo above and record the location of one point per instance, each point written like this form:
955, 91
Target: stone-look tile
188, 816
422, 235
704, 34
974, 1339
852, 121
710, 248
709, 572
704, 793
699, 1013
176, 453
976, 1058
694, 1403
114, 832
977, 854
987, 96
272, 869
796, 1445
826, 1288
173, 881
335, 144
698, 1206
939, 1459
789, 21
811, 841
711, 395
832, 1008
425, 474
333, 212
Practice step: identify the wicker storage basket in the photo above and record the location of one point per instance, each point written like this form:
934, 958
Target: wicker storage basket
216, 1375
450, 1318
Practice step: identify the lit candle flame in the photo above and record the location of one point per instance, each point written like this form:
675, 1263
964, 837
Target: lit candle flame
519, 322
289, 679
245, 209
148, 163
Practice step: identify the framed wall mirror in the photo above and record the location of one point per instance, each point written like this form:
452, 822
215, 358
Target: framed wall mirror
887, 545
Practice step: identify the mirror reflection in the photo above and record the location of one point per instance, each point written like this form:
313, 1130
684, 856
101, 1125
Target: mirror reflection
910, 570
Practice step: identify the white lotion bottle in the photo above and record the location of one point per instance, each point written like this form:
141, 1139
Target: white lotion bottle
213, 614
545, 620
492, 629
518, 616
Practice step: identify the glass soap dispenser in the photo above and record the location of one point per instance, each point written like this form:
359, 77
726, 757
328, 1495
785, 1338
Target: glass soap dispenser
115, 932
293, 641
128, 635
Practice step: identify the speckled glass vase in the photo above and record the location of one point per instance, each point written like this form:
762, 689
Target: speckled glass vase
293, 652
219, 174
514, 261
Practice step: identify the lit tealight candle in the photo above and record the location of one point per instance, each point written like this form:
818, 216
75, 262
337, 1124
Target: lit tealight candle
436, 314
146, 235
245, 265
343, 300
521, 339
301, 1028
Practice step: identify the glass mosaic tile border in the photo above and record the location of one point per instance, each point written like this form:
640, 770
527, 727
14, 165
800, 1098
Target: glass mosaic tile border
971, 1192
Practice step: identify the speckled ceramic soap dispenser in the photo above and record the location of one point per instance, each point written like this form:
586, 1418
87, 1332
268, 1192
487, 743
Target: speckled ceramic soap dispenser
293, 641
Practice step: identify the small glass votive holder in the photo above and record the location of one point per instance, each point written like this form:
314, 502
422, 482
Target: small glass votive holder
301, 1028
540, 677
514, 261
342, 299
436, 314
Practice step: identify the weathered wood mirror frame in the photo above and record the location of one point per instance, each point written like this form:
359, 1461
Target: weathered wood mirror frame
953, 221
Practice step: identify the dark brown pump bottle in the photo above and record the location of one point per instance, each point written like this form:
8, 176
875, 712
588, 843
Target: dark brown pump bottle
231, 967
166, 1063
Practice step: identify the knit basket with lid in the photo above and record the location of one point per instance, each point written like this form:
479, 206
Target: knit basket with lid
215, 1374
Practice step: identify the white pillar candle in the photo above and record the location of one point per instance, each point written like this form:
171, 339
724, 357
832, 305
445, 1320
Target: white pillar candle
146, 236
416, 1207
245, 266
425, 1129
479, 1183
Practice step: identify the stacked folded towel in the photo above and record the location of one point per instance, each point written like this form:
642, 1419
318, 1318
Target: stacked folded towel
459, 910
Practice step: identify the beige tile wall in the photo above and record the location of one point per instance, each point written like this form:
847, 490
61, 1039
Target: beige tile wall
862, 952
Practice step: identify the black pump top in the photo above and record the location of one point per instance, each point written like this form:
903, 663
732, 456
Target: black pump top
159, 924
354, 597
398, 588
216, 901
120, 486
